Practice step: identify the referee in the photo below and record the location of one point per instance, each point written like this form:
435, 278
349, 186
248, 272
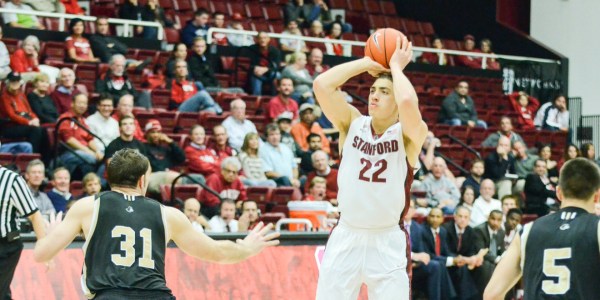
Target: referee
15, 201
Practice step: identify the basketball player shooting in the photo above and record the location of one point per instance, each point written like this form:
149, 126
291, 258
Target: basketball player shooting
127, 234
379, 154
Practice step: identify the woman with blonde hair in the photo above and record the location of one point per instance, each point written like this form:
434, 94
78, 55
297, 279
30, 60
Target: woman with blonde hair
252, 164
39, 99
296, 70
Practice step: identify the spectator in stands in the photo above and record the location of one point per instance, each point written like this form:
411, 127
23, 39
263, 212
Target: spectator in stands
219, 38
296, 10
16, 148
524, 163
25, 60
283, 102
197, 27
300, 131
475, 177
458, 108
441, 191
571, 151
526, 106
4, 59
227, 183
427, 154
19, 120
506, 129
131, 10
588, 151
104, 46
201, 159
225, 220
220, 144
191, 209
264, 64
500, 167
152, 12
306, 13
72, 7
292, 44
321, 166
279, 160
509, 202
237, 125
252, 164
545, 153
116, 83
126, 139
20, 20
540, 192
485, 203
486, 48
336, 49
66, 89
489, 235
78, 47
467, 197
315, 64
284, 122
45, 5
187, 96
553, 115
296, 70
60, 194
238, 40
314, 144
424, 268
179, 52
512, 225
91, 185
250, 216
40, 101
472, 62
102, 124
440, 59
434, 240
125, 108
316, 29
201, 67
83, 153
316, 189
34, 175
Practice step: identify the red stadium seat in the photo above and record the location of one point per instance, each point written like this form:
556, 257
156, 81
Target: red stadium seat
54, 50
427, 28
172, 35
373, 7
271, 217
272, 12
258, 194
278, 208
23, 159
186, 121
356, 5
388, 7
166, 4
182, 5
161, 98
76, 189
411, 27
11, 44
218, 6
211, 121
168, 120
282, 195
6, 159
377, 21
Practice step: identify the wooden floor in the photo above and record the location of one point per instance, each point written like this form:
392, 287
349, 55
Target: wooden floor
285, 272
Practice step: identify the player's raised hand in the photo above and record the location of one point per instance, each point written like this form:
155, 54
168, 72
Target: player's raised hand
403, 54
55, 219
259, 238
374, 68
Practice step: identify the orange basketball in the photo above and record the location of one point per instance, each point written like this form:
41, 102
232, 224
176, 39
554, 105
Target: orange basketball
382, 44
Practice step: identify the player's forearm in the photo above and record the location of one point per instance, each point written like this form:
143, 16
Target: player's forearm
403, 89
231, 252
37, 221
338, 75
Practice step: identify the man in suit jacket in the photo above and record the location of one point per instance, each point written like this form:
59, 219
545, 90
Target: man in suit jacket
491, 236
434, 243
460, 235
438, 284
538, 189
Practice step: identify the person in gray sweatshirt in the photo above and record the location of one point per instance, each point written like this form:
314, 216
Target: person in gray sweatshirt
441, 191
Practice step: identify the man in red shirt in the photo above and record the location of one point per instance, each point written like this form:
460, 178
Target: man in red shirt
125, 108
83, 154
63, 93
220, 144
201, 159
283, 101
322, 169
227, 183
185, 94
315, 64
18, 121
469, 61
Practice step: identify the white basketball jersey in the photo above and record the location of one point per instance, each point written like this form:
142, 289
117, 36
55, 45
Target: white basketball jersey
374, 177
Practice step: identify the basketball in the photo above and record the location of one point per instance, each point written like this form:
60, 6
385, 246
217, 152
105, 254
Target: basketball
381, 45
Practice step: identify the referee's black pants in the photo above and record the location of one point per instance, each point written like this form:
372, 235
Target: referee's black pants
10, 252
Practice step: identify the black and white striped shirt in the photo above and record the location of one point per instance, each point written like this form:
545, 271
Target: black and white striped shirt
15, 201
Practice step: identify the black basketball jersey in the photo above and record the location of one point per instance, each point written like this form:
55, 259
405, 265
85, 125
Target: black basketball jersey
560, 256
125, 248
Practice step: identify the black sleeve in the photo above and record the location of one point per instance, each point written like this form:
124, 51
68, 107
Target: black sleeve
473, 116
495, 167
119, 46
194, 67
177, 153
275, 57
36, 107
100, 86
99, 48
448, 108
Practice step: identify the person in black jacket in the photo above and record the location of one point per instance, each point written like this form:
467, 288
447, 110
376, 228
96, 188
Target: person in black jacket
152, 12
116, 83
105, 46
131, 10
201, 66
458, 108
264, 64
489, 235
539, 190
40, 101
500, 167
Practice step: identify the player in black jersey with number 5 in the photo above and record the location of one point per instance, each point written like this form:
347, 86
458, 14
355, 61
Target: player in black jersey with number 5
127, 233
558, 255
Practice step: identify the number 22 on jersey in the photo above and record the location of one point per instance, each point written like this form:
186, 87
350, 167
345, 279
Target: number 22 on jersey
127, 246
374, 170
